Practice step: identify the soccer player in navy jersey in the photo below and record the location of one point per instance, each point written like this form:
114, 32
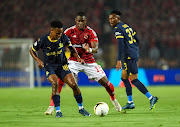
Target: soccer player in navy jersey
55, 63
85, 40
128, 54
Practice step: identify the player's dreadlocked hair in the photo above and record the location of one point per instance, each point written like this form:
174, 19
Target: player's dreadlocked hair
117, 12
56, 24
81, 13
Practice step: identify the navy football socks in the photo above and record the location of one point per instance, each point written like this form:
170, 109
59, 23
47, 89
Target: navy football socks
128, 86
56, 99
79, 101
140, 86
128, 90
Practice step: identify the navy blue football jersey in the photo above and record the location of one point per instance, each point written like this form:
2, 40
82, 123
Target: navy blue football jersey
127, 41
54, 50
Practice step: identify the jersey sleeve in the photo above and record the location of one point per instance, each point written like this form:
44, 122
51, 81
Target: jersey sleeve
67, 32
136, 37
120, 37
93, 36
67, 41
118, 34
38, 44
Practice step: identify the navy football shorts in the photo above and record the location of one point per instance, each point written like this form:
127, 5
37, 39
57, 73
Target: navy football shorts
130, 65
60, 71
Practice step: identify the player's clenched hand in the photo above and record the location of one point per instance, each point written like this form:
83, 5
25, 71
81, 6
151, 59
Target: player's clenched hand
40, 63
86, 47
118, 65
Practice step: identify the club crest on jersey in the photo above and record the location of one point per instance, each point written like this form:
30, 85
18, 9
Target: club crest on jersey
74, 36
85, 36
60, 45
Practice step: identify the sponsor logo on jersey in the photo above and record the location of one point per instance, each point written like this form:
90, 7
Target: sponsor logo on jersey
77, 45
54, 53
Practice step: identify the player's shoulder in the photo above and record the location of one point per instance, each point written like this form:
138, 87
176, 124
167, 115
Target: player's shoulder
64, 36
44, 37
72, 28
121, 26
124, 25
91, 30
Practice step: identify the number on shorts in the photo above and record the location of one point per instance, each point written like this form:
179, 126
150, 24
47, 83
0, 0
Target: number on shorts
98, 68
125, 65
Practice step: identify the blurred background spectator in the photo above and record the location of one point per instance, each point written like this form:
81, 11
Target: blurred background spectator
157, 23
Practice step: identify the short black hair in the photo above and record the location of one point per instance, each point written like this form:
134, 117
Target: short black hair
81, 13
117, 12
56, 24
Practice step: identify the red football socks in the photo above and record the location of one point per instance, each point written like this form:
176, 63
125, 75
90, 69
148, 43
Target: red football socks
110, 89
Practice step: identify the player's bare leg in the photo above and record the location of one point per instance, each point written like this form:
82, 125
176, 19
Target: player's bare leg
69, 79
50, 110
110, 89
55, 93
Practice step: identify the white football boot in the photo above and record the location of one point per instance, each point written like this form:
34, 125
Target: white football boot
116, 104
50, 111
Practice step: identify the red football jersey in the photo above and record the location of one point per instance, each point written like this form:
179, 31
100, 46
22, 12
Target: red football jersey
78, 38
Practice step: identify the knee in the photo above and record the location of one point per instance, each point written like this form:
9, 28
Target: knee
124, 75
54, 83
74, 86
133, 77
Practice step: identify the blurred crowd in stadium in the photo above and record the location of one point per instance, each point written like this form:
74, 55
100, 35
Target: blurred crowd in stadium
157, 23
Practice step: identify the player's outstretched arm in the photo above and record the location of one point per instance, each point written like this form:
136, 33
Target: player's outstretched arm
74, 53
33, 54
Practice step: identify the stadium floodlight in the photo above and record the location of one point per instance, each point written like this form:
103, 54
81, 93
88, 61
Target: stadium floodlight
16, 64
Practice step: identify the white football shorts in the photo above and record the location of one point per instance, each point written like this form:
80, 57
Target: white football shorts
92, 70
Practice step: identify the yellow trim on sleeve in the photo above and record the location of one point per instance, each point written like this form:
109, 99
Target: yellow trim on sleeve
119, 37
33, 49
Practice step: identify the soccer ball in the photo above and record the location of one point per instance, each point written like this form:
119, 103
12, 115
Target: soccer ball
101, 109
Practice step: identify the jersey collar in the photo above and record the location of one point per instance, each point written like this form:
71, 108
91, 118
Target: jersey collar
50, 39
81, 30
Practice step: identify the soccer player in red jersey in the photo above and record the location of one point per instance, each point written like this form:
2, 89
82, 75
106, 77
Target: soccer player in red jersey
85, 40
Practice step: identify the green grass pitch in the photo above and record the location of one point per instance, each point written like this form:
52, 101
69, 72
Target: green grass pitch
23, 107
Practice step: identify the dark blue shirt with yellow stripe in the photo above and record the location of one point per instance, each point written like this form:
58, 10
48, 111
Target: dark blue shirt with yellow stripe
54, 50
127, 41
